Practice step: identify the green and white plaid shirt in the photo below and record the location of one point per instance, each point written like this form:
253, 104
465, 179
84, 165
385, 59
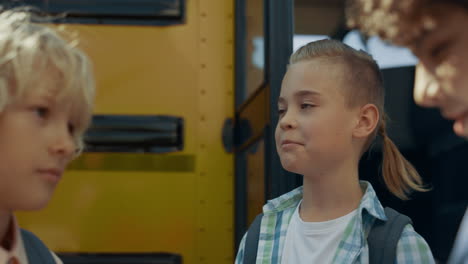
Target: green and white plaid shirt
411, 248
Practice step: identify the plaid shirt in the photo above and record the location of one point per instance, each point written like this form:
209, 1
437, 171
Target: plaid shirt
353, 247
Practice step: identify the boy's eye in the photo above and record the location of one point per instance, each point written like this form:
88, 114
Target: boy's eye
71, 128
439, 51
281, 111
41, 111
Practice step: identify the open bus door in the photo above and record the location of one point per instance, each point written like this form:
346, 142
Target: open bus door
264, 34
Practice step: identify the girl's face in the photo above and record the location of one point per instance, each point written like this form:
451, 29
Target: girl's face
314, 131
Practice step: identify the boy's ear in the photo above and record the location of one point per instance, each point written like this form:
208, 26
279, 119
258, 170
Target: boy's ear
367, 121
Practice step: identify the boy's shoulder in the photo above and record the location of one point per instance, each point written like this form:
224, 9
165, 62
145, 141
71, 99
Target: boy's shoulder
35, 250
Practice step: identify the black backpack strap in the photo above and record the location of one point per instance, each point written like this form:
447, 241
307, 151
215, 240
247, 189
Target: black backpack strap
251, 241
36, 250
384, 236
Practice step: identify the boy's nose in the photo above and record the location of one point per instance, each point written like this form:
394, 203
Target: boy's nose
64, 145
427, 91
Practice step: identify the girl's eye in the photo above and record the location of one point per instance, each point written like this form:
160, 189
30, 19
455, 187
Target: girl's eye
41, 111
304, 106
281, 111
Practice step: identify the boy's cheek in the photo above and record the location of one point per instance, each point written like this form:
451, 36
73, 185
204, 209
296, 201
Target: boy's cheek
425, 87
461, 127
459, 83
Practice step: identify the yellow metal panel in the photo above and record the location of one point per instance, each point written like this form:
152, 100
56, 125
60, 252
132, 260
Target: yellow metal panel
216, 104
119, 212
183, 70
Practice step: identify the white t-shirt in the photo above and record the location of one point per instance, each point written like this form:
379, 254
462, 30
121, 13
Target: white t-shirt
313, 242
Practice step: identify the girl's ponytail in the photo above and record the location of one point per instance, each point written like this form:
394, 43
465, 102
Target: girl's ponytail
400, 177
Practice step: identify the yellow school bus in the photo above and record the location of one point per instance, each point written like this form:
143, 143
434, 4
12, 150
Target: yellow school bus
156, 177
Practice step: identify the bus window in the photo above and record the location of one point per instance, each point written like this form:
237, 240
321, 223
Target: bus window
134, 12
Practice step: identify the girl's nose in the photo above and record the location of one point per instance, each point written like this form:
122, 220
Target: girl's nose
287, 121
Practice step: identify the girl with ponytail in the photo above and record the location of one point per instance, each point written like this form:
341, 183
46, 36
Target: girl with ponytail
331, 109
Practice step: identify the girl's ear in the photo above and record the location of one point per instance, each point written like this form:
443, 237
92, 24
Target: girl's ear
367, 121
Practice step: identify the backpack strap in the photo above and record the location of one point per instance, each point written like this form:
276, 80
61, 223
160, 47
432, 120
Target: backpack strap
251, 241
384, 236
36, 250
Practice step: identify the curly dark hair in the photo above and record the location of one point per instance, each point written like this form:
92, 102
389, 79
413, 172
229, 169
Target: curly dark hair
393, 20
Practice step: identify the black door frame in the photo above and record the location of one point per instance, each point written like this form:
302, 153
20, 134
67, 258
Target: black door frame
279, 29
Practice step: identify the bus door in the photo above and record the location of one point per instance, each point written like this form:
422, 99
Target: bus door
264, 31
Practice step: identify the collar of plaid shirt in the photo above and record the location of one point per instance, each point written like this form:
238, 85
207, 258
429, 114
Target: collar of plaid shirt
411, 248
278, 212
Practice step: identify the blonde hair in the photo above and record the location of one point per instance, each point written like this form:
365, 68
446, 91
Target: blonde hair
29, 49
400, 177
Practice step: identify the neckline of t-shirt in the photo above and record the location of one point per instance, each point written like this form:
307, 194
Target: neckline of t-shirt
325, 226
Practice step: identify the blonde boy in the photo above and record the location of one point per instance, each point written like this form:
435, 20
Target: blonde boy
46, 97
